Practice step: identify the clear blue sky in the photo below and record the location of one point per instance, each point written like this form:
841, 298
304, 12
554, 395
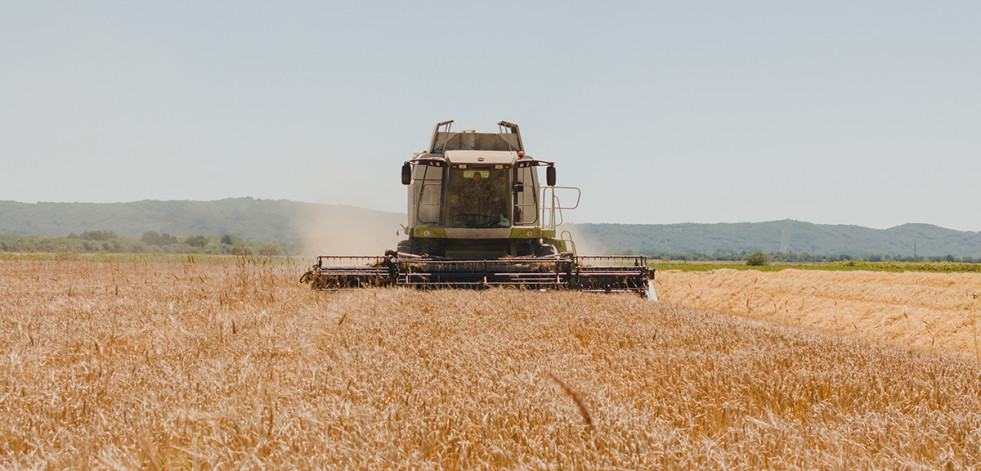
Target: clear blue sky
843, 112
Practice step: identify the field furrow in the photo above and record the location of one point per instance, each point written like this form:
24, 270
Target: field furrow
922, 310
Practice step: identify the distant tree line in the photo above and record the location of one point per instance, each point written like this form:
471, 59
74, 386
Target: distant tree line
229, 244
804, 257
149, 242
94, 235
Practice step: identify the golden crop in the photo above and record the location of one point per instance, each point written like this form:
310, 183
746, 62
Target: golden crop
128, 365
924, 310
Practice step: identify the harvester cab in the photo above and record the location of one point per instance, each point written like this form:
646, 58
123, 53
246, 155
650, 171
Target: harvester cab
478, 216
477, 195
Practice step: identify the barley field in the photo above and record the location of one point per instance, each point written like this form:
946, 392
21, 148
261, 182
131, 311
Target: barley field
182, 365
931, 311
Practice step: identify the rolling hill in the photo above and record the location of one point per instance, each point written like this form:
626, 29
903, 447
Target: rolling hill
343, 230
783, 236
348, 229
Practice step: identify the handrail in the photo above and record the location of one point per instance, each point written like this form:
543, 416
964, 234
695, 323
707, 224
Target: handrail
566, 237
556, 207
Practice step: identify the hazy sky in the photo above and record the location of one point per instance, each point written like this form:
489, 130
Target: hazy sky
843, 112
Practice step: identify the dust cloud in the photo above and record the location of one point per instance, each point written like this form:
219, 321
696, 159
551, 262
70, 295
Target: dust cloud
584, 245
347, 230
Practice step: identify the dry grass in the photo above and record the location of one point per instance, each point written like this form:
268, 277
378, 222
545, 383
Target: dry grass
922, 310
134, 365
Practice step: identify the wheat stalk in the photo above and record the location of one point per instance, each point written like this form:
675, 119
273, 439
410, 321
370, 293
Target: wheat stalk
576, 398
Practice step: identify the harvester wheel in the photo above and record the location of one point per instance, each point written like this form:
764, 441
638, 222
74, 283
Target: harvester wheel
405, 246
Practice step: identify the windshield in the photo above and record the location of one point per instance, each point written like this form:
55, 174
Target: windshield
478, 197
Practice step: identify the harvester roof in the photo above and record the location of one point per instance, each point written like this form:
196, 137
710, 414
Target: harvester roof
443, 140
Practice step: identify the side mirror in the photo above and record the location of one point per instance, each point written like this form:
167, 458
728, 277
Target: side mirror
406, 173
550, 176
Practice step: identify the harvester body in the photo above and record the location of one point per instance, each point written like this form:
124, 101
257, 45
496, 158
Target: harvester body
479, 217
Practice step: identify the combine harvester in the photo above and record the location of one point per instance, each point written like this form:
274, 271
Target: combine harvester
479, 218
